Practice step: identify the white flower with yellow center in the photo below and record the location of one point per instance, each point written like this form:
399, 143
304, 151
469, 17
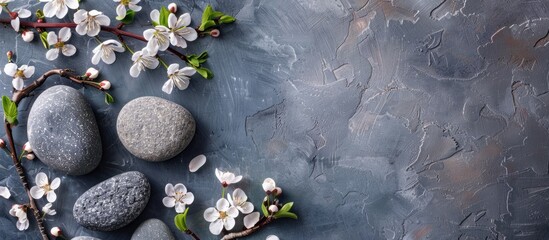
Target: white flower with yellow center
59, 44
158, 39
90, 22
180, 33
141, 60
178, 197
222, 216
105, 51
121, 8
15, 15
239, 200
227, 178
58, 8
18, 74
43, 187
20, 212
178, 77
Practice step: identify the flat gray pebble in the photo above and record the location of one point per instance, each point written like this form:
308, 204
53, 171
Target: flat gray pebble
152, 229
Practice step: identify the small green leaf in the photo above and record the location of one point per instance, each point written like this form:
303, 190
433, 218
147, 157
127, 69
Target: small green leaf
207, 24
10, 110
108, 98
264, 210
44, 39
285, 215
180, 220
130, 15
287, 207
225, 19
206, 15
39, 14
216, 14
206, 73
194, 61
203, 57
164, 14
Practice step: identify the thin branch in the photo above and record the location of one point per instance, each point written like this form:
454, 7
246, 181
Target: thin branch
192, 234
247, 232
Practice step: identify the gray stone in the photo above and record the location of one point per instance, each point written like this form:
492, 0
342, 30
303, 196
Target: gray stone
155, 129
113, 203
84, 238
63, 132
152, 229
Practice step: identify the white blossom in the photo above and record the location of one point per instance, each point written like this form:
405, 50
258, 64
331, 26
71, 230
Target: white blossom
251, 219
90, 22
56, 231
16, 14
47, 209
222, 216
268, 185
43, 187
272, 237
20, 212
30, 156
157, 39
58, 8
27, 147
141, 60
273, 208
239, 200
59, 44
27, 35
5, 192
227, 178
18, 74
197, 162
178, 77
105, 85
179, 32
121, 8
4, 3
92, 73
105, 51
178, 197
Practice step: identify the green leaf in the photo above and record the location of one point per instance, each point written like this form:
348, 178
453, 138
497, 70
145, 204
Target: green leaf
206, 25
164, 14
39, 14
10, 110
264, 210
287, 207
180, 220
130, 15
194, 61
216, 14
285, 215
206, 73
227, 19
203, 57
44, 39
108, 98
206, 15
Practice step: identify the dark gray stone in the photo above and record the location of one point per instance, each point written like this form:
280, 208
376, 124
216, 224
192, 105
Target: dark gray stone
152, 229
155, 129
113, 203
85, 238
63, 132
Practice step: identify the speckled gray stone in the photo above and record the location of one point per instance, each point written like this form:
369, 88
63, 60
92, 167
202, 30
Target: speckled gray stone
113, 203
63, 132
84, 238
155, 129
152, 229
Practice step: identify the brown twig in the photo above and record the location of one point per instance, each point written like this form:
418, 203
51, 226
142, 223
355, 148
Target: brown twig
247, 232
114, 30
192, 234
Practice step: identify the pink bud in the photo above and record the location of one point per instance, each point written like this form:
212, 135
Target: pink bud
56, 232
215, 33
92, 73
9, 54
27, 147
273, 208
277, 191
30, 156
27, 35
2, 143
172, 7
105, 85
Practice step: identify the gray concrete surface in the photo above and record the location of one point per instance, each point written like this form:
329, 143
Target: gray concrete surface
381, 119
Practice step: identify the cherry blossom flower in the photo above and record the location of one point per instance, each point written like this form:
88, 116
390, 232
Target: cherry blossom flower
5, 192
179, 32
272, 237
27, 35
178, 77
47, 209
18, 74
90, 22
227, 178
15, 15
131, 4
178, 197
197, 162
158, 39
105, 51
238, 200
59, 44
92, 73
141, 60
20, 212
251, 219
44, 187
4, 3
105, 85
268, 185
59, 8
222, 216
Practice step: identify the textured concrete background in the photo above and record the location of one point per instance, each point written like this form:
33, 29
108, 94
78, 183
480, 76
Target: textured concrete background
382, 120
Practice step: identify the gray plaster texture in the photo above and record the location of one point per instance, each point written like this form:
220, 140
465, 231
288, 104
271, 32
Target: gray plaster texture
152, 229
113, 203
403, 119
155, 129
63, 132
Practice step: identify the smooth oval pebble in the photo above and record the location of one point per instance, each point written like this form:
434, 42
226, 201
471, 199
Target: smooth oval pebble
84, 238
113, 203
63, 132
197, 162
155, 129
152, 229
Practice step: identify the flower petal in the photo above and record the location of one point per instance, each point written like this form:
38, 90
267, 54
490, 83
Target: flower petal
240, 195
211, 214
188, 198
181, 82
222, 205
120, 11
168, 87
184, 19
232, 212
172, 21
197, 162
108, 58
236, 179
5, 192
81, 29
246, 207
51, 196
229, 223
251, 219
179, 207
172, 68
55, 183
49, 10
17, 83
52, 54
68, 50
103, 20
168, 201
216, 227
169, 190
78, 16
134, 70
72, 4
188, 71
37, 192
41, 179
219, 175
62, 11
155, 15
64, 34
22, 225
180, 188
95, 58
52, 38
272, 237
24, 13
15, 24
28, 72
10, 69
190, 34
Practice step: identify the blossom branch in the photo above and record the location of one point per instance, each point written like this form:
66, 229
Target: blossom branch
247, 232
192, 234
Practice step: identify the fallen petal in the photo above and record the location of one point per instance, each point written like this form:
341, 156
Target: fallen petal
197, 162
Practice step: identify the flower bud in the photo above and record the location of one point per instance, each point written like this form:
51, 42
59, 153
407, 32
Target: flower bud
277, 191
40, 20
27, 147
105, 85
30, 156
215, 33
9, 54
92, 73
273, 208
14, 15
56, 232
268, 185
2, 143
27, 35
172, 7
